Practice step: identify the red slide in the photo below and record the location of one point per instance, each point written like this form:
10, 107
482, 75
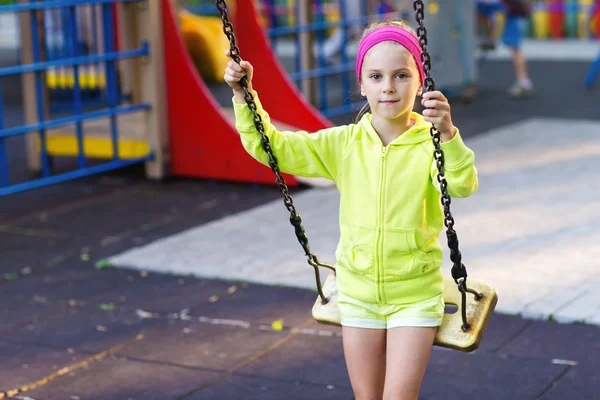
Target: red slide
203, 139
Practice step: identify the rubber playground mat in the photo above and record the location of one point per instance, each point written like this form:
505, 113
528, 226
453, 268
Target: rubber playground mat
75, 328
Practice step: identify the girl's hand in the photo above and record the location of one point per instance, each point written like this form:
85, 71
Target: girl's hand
235, 72
437, 111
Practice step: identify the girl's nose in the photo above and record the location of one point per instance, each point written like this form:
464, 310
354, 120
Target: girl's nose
388, 87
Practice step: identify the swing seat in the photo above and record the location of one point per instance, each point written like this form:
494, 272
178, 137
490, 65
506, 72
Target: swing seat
450, 333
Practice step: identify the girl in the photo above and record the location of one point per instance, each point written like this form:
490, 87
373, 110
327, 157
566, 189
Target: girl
388, 258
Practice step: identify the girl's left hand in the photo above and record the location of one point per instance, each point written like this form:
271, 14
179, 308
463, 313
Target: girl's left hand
437, 112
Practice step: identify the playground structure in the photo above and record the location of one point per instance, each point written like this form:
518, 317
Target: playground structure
166, 117
137, 94
209, 146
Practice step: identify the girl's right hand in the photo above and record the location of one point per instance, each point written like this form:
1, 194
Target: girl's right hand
235, 72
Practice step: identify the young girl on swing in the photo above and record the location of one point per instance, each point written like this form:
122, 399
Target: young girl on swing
388, 258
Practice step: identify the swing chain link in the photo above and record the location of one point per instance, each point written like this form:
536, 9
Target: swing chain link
295, 219
459, 271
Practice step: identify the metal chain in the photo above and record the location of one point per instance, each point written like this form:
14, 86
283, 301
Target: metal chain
295, 219
459, 271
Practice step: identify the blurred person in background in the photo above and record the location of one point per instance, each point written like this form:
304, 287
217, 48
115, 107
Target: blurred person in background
486, 10
517, 12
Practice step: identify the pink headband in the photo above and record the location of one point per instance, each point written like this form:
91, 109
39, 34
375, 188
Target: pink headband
395, 34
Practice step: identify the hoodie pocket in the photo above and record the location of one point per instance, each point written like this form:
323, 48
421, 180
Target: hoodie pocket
402, 259
357, 252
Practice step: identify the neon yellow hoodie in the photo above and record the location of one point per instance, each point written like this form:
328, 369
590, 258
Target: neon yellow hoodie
390, 212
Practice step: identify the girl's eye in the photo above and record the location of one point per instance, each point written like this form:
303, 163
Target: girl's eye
375, 76
401, 76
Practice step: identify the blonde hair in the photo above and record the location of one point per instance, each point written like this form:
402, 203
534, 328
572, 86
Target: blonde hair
373, 27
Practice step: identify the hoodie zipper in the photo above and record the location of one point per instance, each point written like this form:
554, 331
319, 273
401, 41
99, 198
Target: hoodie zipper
380, 295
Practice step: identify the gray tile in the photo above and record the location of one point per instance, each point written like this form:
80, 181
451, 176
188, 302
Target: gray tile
250, 388
118, 379
264, 304
83, 329
580, 382
453, 376
306, 358
23, 365
549, 340
193, 344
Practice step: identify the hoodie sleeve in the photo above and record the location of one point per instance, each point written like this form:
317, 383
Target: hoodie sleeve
459, 168
298, 153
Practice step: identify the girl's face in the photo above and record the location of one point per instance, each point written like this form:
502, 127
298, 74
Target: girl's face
390, 80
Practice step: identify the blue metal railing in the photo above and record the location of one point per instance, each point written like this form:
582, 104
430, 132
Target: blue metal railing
50, 4
69, 58
4, 179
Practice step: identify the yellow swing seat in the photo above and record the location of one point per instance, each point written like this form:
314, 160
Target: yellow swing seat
450, 334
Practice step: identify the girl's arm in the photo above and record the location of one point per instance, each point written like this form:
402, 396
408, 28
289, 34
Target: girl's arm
459, 168
298, 153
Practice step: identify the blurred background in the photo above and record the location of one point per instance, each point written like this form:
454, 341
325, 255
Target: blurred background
60, 62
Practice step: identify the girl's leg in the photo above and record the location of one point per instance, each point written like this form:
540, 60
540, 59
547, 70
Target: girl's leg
364, 350
408, 352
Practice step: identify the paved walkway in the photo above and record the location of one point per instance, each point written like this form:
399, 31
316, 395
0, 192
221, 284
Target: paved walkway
531, 231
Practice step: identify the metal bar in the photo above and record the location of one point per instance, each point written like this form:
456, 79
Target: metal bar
64, 72
343, 55
77, 100
322, 62
269, 5
40, 66
304, 56
111, 75
48, 4
4, 178
95, 49
55, 123
39, 90
67, 176
302, 10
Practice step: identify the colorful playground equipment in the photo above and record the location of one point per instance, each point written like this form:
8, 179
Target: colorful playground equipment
99, 138
204, 142
152, 108
558, 19
205, 43
176, 127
